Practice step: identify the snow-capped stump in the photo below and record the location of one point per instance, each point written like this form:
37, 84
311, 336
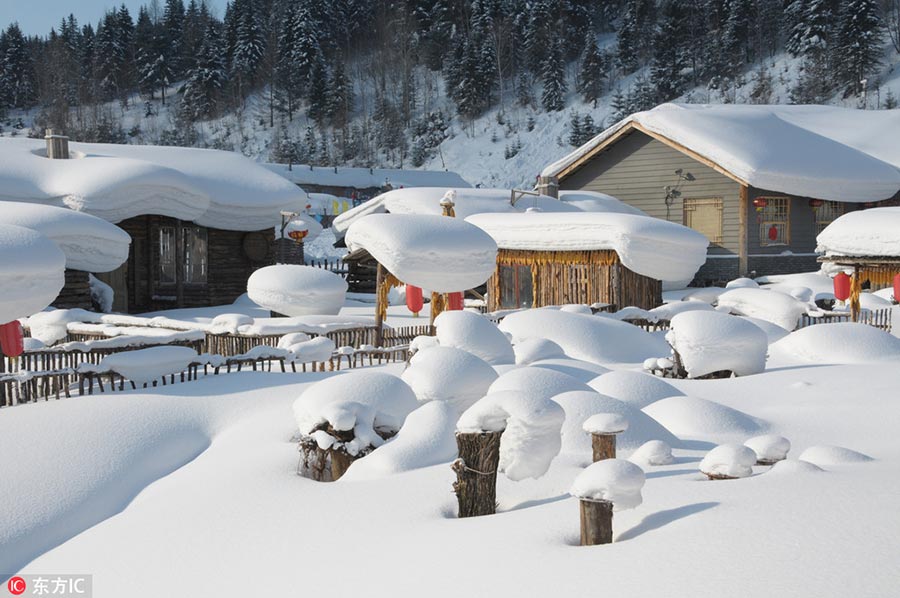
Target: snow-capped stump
345, 417
653, 452
769, 448
474, 333
728, 462
603, 428
712, 344
530, 426
449, 374
603, 487
297, 290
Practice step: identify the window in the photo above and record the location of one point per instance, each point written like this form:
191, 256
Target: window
827, 213
516, 287
704, 215
194, 242
774, 220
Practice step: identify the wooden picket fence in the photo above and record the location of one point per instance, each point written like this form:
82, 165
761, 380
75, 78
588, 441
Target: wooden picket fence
878, 318
336, 265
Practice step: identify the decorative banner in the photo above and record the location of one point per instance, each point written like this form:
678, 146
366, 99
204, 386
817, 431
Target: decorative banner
414, 300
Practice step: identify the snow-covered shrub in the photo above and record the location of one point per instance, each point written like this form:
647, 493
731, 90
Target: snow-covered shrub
314, 350
742, 283
536, 349
635, 388
728, 461
229, 323
297, 290
708, 342
474, 333
778, 308
653, 452
769, 448
449, 374
612, 480
146, 365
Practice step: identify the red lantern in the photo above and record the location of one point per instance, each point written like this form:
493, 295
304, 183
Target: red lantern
759, 203
414, 299
897, 288
298, 235
842, 287
455, 302
12, 341
773, 233
816, 203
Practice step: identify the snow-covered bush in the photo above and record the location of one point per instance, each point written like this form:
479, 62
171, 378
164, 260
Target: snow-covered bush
612, 480
536, 349
728, 461
778, 308
474, 333
297, 290
229, 323
146, 365
653, 452
635, 388
315, 350
844, 342
708, 342
769, 448
449, 374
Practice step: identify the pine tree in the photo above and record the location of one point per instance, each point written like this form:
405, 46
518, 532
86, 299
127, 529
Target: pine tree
205, 80
16, 69
588, 128
318, 92
311, 145
668, 64
858, 44
890, 100
591, 74
524, 95
618, 106
553, 76
249, 44
146, 52
340, 96
575, 132
172, 30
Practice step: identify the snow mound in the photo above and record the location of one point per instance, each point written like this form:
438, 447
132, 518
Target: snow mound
794, 468
605, 423
32, 270
742, 283
706, 295
589, 338
823, 455
649, 246
774, 332
449, 374
591, 201
634, 388
426, 438
536, 382
870, 232
315, 350
653, 452
90, 244
614, 480
694, 417
146, 365
474, 333
581, 405
433, 252
230, 323
536, 349
297, 290
769, 447
584, 371
291, 339
710, 341
365, 402
423, 342
778, 308
729, 460
531, 424
844, 342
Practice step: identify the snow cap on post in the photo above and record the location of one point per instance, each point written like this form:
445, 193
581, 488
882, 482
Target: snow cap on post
769, 448
728, 462
605, 423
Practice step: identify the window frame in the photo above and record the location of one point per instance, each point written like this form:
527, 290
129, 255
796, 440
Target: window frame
838, 209
168, 255
520, 273
717, 202
766, 223
190, 236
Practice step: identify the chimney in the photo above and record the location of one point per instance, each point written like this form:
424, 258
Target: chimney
548, 185
57, 145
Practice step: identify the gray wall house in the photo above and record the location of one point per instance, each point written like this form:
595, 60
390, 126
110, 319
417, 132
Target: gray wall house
751, 230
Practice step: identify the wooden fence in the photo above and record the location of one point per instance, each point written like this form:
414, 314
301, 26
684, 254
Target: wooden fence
336, 265
879, 318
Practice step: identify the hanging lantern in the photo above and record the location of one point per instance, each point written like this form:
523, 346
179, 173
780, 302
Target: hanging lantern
897, 288
12, 341
773, 233
816, 203
414, 301
455, 301
298, 235
759, 203
842, 287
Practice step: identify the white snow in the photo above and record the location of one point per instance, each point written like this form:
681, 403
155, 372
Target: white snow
583, 371
774, 332
792, 468
101, 293
870, 232
779, 308
291, 339
316, 350
742, 283
297, 290
90, 244
598, 340
613, 480
731, 460
449, 374
474, 333
365, 178
653, 453
769, 447
531, 430
536, 382
634, 388
826, 455
115, 182
530, 350
591, 201
825, 152
649, 246
432, 252
32, 271
605, 423
844, 342
709, 341
146, 365
693, 417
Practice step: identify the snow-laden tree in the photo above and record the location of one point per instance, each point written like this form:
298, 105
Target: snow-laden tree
591, 75
858, 43
553, 78
205, 81
17, 89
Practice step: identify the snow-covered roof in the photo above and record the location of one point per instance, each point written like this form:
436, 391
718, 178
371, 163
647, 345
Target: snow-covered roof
649, 246
365, 178
31, 270
873, 232
115, 182
90, 244
825, 152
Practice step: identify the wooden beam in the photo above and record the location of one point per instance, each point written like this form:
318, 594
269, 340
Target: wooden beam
743, 261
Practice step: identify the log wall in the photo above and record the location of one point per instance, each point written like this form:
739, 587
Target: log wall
76, 292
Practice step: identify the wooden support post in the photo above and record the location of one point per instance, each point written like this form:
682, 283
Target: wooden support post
743, 226
179, 264
380, 308
596, 522
476, 473
604, 446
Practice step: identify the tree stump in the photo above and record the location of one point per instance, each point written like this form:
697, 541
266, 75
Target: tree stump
340, 462
476, 473
596, 522
604, 446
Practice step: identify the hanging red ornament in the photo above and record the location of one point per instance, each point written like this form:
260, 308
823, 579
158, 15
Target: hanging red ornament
842, 287
773, 233
455, 301
897, 288
414, 300
12, 341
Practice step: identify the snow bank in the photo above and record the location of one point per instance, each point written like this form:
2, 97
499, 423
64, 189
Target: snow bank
634, 388
825, 455
102, 294
531, 424
536, 382
316, 350
598, 340
613, 480
366, 178
591, 201
693, 417
778, 308
229, 323
365, 402
32, 271
605, 423
535, 349
653, 452
870, 232
297, 290
90, 244
742, 283
583, 371
774, 332
146, 365
449, 374
729, 460
769, 447
706, 295
792, 468
426, 438
580, 405
844, 342
474, 333
711, 342
433, 252
655, 248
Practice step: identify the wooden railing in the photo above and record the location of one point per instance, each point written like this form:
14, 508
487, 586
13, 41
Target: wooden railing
336, 265
878, 318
